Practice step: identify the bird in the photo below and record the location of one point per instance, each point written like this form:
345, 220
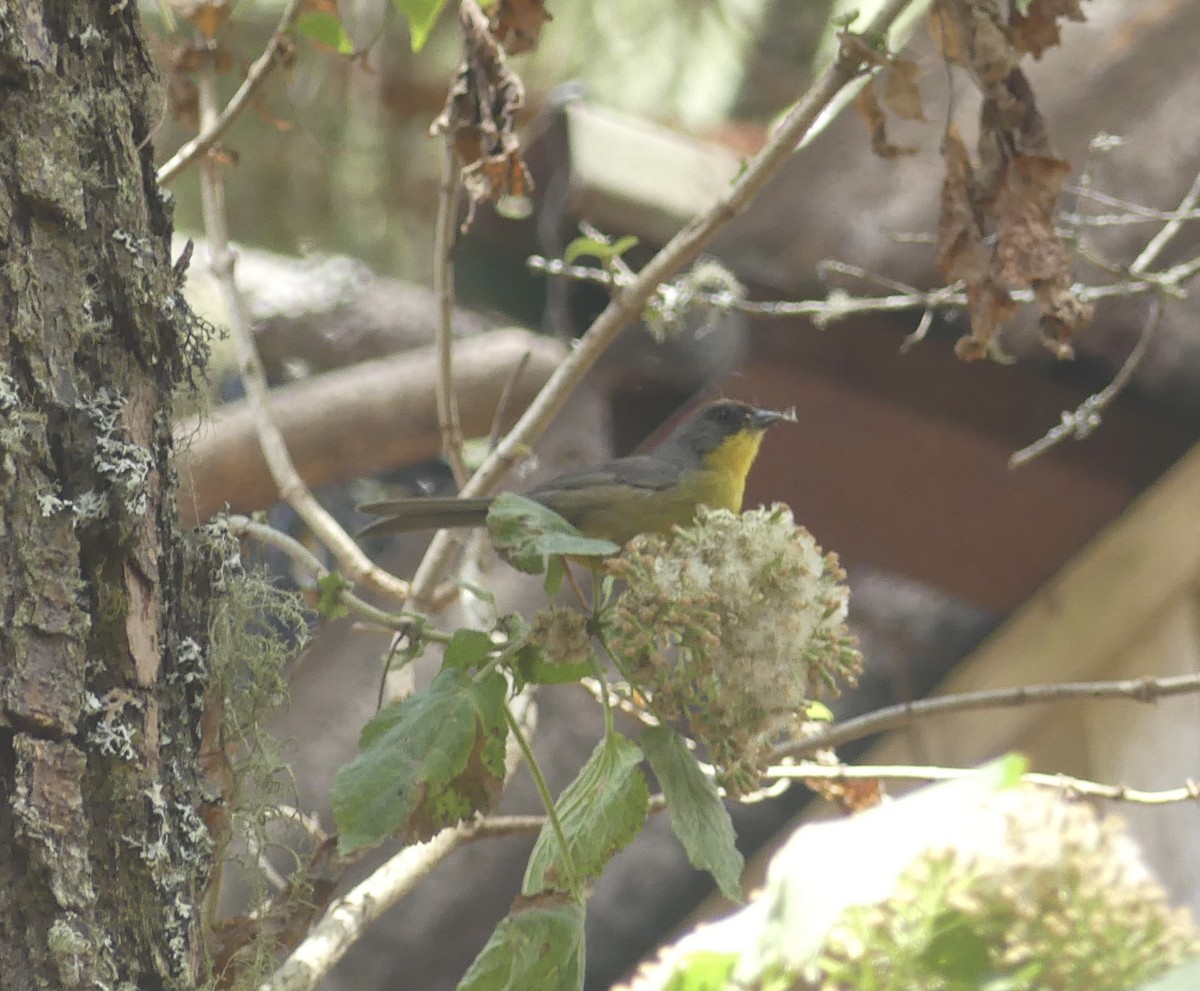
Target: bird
703, 462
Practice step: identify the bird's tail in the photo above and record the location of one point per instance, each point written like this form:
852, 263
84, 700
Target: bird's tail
423, 513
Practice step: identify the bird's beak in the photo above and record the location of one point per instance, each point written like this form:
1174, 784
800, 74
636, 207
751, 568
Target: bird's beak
760, 419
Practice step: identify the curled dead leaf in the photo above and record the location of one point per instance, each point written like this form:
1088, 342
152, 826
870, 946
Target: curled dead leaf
1037, 29
480, 118
517, 24
900, 91
866, 104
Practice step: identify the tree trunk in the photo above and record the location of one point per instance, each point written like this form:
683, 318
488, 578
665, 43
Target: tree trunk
103, 854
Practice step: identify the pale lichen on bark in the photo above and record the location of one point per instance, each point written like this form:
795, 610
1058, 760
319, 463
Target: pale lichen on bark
104, 854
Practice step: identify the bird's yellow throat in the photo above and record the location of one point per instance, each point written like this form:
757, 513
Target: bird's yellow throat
730, 461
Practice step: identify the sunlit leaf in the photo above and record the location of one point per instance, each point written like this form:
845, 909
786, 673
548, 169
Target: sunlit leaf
603, 251
421, 15
325, 28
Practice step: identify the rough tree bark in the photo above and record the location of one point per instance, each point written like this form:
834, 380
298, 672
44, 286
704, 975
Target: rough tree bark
103, 853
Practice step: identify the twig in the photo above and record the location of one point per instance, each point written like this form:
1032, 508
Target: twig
443, 287
1189, 792
681, 250
838, 306
341, 926
347, 920
505, 399
893, 716
243, 526
1085, 418
1081, 421
1160, 240
216, 125
291, 487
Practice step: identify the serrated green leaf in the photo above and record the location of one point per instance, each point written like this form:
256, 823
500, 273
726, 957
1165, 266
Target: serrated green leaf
422, 15
601, 811
325, 28
467, 648
424, 763
538, 946
329, 596
525, 533
590, 247
703, 971
698, 816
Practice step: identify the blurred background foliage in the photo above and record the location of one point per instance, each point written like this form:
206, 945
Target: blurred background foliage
335, 157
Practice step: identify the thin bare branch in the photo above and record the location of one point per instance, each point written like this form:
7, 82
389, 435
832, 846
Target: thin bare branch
1086, 417
629, 301
1160, 240
350, 557
218, 124
443, 287
1189, 792
243, 526
1134, 690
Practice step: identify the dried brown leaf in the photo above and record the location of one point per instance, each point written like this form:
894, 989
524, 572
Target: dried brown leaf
989, 305
943, 29
1063, 314
990, 53
961, 252
868, 108
851, 795
206, 15
480, 117
900, 91
1028, 250
1037, 29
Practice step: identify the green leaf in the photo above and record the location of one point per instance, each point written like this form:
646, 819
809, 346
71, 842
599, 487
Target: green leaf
329, 596
818, 712
601, 811
1005, 772
590, 247
424, 763
481, 593
698, 816
1185, 977
422, 15
531, 668
703, 971
467, 648
325, 28
526, 532
539, 945
555, 572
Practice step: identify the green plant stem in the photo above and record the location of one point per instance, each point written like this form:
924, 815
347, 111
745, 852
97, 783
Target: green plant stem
539, 781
